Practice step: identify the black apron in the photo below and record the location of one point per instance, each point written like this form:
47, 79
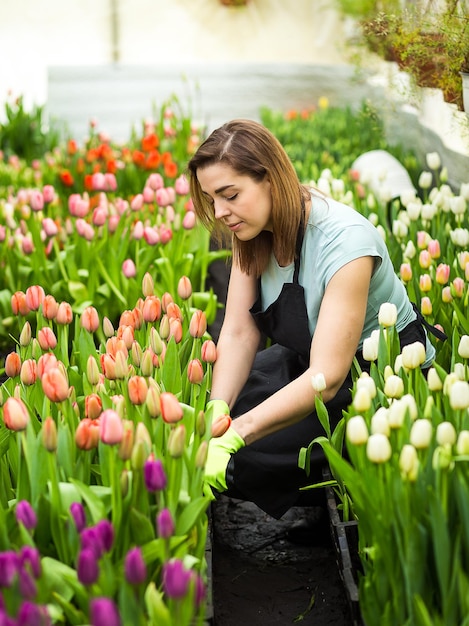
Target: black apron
266, 472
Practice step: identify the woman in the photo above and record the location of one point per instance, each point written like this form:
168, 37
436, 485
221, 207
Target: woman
308, 273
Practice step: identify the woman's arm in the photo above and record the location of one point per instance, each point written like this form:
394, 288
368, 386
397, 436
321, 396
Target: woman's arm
335, 342
239, 339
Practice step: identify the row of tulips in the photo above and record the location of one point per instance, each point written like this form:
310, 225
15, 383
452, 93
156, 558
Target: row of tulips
103, 442
405, 476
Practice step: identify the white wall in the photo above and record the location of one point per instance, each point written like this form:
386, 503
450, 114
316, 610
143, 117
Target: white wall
37, 34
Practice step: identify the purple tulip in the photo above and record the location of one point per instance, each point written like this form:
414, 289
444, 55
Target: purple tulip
9, 566
87, 567
30, 556
200, 590
103, 612
165, 524
91, 539
77, 511
25, 514
135, 568
155, 477
176, 579
106, 533
31, 614
27, 585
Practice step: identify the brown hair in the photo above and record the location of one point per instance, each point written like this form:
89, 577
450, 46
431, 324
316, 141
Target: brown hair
252, 150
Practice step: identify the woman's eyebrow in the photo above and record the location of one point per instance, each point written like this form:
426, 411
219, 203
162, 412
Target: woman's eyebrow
221, 189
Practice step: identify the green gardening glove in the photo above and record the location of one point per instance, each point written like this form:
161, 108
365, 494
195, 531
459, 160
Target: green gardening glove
219, 453
215, 408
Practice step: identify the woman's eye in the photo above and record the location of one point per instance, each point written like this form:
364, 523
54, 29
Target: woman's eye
232, 197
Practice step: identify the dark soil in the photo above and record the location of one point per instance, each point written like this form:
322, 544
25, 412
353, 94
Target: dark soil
260, 578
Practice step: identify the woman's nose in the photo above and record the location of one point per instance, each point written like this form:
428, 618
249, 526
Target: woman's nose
221, 209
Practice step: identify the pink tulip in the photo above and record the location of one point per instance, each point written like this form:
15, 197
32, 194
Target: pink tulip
15, 414
434, 248
446, 295
110, 181
49, 434
34, 297
128, 268
184, 288
181, 185
422, 239
151, 309
99, 216
84, 229
78, 206
166, 234
425, 282
151, 236
48, 193
64, 314
458, 286
155, 181
442, 273
113, 223
425, 259
138, 231
45, 363
136, 204
36, 200
111, 427
27, 245
148, 195
175, 329
47, 339
98, 181
87, 434
171, 410
189, 220
49, 227
90, 319
162, 197
55, 385
28, 372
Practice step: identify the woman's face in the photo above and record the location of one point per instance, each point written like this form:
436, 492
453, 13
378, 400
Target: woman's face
244, 205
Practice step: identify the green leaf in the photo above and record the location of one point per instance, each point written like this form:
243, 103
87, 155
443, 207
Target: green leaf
189, 516
171, 374
93, 496
141, 528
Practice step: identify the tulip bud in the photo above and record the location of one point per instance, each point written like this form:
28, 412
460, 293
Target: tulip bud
148, 286
15, 414
442, 458
134, 567
176, 579
177, 441
139, 455
209, 351
387, 315
156, 343
171, 410
445, 434
413, 355
198, 324
195, 372
154, 475
12, 364
111, 427
408, 462
380, 422
64, 314
201, 455
87, 434
165, 524
26, 515
25, 335
184, 288
463, 347
406, 272
318, 382
108, 328
49, 434
79, 516
378, 448
434, 380
90, 319
127, 443
462, 444
152, 402
459, 395
394, 387
142, 434
104, 612
137, 389
55, 384
370, 348
357, 430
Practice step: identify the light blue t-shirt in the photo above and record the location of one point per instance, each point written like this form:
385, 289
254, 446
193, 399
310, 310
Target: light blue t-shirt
335, 235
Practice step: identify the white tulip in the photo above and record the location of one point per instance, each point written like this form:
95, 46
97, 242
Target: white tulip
460, 371
464, 191
434, 381
398, 365
462, 444
397, 413
370, 349
394, 386
425, 180
449, 381
433, 160
459, 395
414, 209
368, 383
361, 400
370, 201
388, 371
463, 347
457, 205
337, 186
410, 250
429, 211
387, 315
378, 448
409, 462
421, 433
357, 430
445, 434
373, 218
399, 229
408, 195
413, 355
380, 422
460, 237
318, 382
410, 403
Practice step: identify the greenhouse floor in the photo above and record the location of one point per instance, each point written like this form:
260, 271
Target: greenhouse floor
261, 578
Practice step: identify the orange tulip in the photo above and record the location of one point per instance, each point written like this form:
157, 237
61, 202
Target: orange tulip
28, 373
34, 297
90, 319
64, 314
87, 434
175, 330
209, 351
18, 303
151, 309
173, 311
171, 410
93, 406
55, 385
49, 434
198, 324
184, 288
50, 307
195, 372
12, 364
47, 339
108, 366
138, 389
45, 363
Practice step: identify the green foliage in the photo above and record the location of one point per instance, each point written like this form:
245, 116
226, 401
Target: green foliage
25, 133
